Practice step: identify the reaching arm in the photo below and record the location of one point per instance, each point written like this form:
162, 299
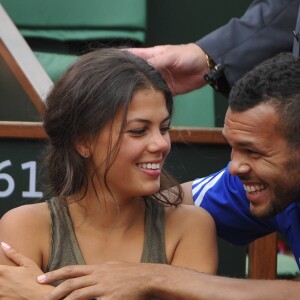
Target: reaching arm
182, 284
182, 66
143, 281
264, 30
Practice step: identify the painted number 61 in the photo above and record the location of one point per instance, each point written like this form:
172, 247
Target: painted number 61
31, 193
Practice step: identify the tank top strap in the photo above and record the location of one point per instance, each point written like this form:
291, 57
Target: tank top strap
64, 246
154, 241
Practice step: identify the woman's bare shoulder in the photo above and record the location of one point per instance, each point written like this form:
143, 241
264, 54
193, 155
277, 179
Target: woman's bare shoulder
27, 229
189, 214
30, 213
191, 238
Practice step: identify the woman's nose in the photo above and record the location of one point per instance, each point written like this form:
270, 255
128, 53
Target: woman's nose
160, 142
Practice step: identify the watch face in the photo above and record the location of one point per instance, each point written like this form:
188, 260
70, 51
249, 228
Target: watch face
216, 78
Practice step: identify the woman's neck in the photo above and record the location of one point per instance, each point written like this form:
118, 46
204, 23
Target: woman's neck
105, 211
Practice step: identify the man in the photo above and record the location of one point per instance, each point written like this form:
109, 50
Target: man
262, 127
256, 194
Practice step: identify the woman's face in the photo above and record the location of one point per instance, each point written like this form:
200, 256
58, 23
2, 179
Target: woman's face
135, 170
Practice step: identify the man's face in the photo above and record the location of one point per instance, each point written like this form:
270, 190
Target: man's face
262, 159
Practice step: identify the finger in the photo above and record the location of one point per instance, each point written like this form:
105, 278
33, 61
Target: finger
86, 293
18, 258
64, 273
71, 287
144, 53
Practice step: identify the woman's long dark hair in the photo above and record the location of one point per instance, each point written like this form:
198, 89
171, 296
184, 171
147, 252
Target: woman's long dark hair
82, 102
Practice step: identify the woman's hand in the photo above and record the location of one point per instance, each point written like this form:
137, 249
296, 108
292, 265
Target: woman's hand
19, 282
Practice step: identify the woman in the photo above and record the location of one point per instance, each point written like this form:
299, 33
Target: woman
108, 121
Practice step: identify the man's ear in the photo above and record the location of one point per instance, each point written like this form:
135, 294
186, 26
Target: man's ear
83, 147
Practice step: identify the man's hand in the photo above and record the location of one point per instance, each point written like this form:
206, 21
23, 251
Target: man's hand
108, 281
182, 66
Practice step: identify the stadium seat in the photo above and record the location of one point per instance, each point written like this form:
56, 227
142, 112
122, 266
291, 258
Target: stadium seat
58, 31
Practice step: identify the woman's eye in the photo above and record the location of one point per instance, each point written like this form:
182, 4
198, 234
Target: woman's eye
165, 129
142, 131
137, 131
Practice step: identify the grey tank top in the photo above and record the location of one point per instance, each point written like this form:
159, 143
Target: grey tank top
65, 249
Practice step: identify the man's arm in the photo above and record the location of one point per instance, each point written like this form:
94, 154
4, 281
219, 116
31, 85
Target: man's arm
180, 284
116, 281
142, 281
264, 30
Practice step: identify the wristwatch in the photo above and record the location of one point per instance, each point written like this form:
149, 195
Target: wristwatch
215, 76
215, 71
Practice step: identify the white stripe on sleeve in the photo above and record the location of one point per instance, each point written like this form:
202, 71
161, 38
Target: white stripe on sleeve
207, 187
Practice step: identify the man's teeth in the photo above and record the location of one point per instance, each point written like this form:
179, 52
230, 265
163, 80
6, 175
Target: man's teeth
254, 188
149, 166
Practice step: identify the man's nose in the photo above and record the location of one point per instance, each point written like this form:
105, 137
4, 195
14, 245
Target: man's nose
239, 164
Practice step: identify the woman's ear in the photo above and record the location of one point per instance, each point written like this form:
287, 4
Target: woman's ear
83, 147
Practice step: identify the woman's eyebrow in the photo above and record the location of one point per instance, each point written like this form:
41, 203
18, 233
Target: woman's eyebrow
141, 120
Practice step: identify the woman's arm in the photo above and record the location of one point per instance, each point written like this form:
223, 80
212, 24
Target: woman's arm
20, 282
25, 228
195, 232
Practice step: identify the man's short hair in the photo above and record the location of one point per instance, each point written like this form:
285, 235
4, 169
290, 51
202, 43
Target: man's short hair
275, 81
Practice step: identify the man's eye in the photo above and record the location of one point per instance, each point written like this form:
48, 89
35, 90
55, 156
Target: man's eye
253, 153
165, 129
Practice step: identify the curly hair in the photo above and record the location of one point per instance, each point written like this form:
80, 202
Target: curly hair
275, 81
